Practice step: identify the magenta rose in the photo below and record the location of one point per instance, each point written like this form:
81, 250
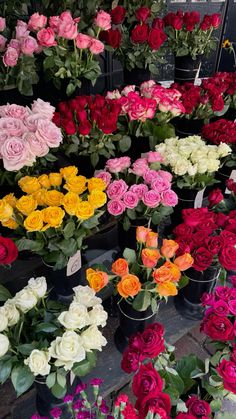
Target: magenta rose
185, 416
208, 299
47, 131
146, 380
115, 207
103, 20
160, 185
117, 189
140, 166
105, 176
217, 328
130, 200
169, 198
139, 190
10, 58
195, 216
198, 407
83, 41
151, 199
43, 108
224, 293
227, 256
16, 154
130, 360
232, 307
227, 370
152, 402
221, 308
46, 37
215, 197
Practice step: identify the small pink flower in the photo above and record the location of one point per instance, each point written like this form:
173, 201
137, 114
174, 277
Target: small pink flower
37, 22
142, 109
115, 207
3, 41
96, 47
2, 24
43, 108
151, 199
56, 413
169, 198
154, 157
140, 166
117, 189
68, 399
165, 175
105, 176
54, 22
83, 41
14, 111
150, 175
10, 57
46, 37
15, 43
29, 45
118, 164
130, 200
221, 308
139, 190
21, 29
103, 20
160, 185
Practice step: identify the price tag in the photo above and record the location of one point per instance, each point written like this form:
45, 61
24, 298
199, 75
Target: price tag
232, 176
74, 264
199, 199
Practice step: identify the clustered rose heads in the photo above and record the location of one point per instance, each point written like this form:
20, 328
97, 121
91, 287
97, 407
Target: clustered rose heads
8, 251
220, 131
210, 237
26, 134
190, 21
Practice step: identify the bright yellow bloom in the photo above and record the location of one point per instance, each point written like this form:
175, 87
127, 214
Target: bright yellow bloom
71, 202
11, 223
97, 198
44, 181
53, 216
11, 199
6, 210
226, 43
26, 204
96, 183
39, 196
76, 184
55, 179
53, 198
29, 184
34, 221
68, 171
85, 210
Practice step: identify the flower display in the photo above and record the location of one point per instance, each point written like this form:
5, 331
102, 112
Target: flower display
146, 276
42, 347
56, 213
8, 251
191, 161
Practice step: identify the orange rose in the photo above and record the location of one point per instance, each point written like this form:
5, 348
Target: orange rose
129, 286
169, 248
184, 261
96, 279
169, 272
150, 257
141, 234
120, 267
151, 239
167, 289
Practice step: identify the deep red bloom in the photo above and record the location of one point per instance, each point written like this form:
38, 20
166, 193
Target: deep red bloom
139, 34
8, 251
118, 15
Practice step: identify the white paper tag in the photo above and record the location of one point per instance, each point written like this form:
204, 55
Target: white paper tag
199, 199
232, 176
74, 264
72, 377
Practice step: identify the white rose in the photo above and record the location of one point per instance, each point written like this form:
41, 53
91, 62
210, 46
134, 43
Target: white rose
38, 362
212, 154
86, 296
98, 316
180, 167
192, 169
202, 166
4, 345
172, 158
224, 150
161, 148
185, 150
25, 300
38, 286
67, 349
92, 338
172, 142
3, 319
213, 165
198, 155
11, 312
75, 318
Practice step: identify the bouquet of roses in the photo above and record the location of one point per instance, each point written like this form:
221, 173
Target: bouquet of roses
40, 340
148, 275
187, 35
8, 251
192, 162
138, 190
226, 84
26, 138
51, 222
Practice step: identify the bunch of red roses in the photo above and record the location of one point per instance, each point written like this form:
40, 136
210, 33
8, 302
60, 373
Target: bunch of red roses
225, 83
209, 237
220, 131
8, 251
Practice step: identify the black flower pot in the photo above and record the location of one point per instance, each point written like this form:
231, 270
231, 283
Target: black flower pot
186, 69
136, 76
230, 114
139, 145
131, 322
187, 199
186, 127
188, 301
128, 238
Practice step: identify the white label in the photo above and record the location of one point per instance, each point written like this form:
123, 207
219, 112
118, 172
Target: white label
74, 264
199, 199
72, 377
232, 176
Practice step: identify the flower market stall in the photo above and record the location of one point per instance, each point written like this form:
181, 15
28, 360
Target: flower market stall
117, 211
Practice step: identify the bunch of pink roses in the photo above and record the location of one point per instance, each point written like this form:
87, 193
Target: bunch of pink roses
138, 190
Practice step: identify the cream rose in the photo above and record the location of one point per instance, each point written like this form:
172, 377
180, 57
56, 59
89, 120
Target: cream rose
4, 345
25, 300
86, 296
75, 318
224, 150
38, 286
181, 167
213, 165
67, 349
98, 316
3, 319
38, 362
202, 166
11, 312
92, 338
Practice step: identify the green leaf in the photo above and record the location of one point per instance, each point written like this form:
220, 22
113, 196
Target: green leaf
216, 405
129, 255
125, 144
50, 157
22, 379
69, 229
184, 280
94, 159
5, 370
61, 379
4, 293
46, 327
26, 348
84, 367
51, 379
58, 391
142, 301
27, 244
68, 247
70, 89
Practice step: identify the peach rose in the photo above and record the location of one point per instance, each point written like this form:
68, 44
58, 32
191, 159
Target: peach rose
169, 272
141, 234
167, 289
151, 239
120, 267
169, 248
184, 261
96, 279
150, 257
129, 286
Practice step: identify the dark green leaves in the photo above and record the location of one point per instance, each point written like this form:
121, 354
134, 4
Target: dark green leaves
22, 379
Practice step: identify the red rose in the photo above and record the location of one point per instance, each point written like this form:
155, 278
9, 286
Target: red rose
194, 216
150, 343
139, 34
118, 15
146, 381
231, 185
217, 328
57, 119
217, 103
202, 259
227, 370
228, 237
84, 128
198, 239
208, 225
215, 197
129, 412
232, 214
8, 251
184, 246
221, 219
143, 14
198, 407
156, 38
185, 416
227, 256
190, 20
130, 360
206, 23
183, 230
177, 22
69, 126
81, 101
153, 401
157, 23
113, 38
215, 20
214, 244
81, 115
98, 102
63, 107
231, 225
107, 122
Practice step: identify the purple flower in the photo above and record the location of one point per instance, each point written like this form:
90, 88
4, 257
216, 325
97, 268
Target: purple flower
78, 405
56, 412
96, 382
80, 387
68, 399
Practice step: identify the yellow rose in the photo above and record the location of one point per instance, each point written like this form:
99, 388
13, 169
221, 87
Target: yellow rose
70, 203
29, 184
39, 196
6, 210
85, 210
11, 199
26, 204
55, 179
76, 184
53, 198
11, 223
96, 183
68, 171
44, 181
97, 198
53, 216
34, 221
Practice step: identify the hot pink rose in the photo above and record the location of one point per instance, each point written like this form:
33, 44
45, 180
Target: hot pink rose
47, 131
165, 175
29, 45
142, 109
140, 166
154, 157
15, 111
118, 164
43, 108
67, 29
37, 22
13, 126
130, 200
160, 185
117, 189
38, 147
139, 190
105, 176
15, 43
169, 198
232, 307
21, 29
150, 175
151, 199
16, 154
10, 57
3, 41
54, 22
103, 20
83, 41
96, 47
66, 16
115, 207
2, 24
46, 37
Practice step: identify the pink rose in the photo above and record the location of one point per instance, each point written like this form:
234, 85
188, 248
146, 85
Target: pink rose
43, 108
16, 154
47, 131
38, 147
146, 88
154, 156
140, 166
3, 137
96, 47
21, 29
103, 20
67, 29
142, 109
160, 185
139, 190
130, 200
115, 94
232, 306
10, 57
169, 198
31, 121
54, 22
2, 24
66, 16
14, 111
117, 189
15, 43
3, 41
29, 45
115, 207
118, 164
13, 126
105, 176
46, 37
151, 199
150, 175
83, 41
37, 22
165, 175
128, 89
